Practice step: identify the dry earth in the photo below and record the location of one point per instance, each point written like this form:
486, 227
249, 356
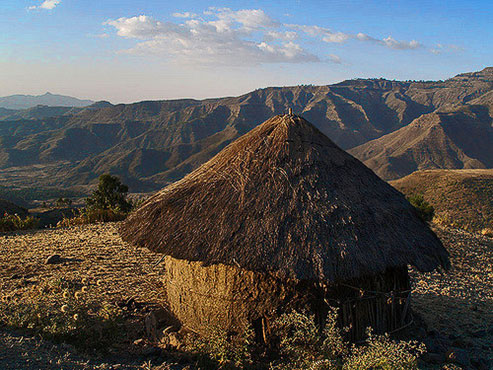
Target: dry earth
455, 309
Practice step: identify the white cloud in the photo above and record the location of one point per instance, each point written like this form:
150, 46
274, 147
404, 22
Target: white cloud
330, 36
224, 39
337, 37
439, 49
390, 42
335, 59
47, 4
236, 37
140, 27
281, 35
401, 45
324, 33
185, 15
250, 19
101, 36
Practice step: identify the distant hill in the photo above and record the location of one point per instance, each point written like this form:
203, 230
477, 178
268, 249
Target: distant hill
52, 100
395, 127
462, 198
7, 207
44, 111
458, 137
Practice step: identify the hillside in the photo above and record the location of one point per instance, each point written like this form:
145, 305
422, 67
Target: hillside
454, 138
30, 101
152, 143
7, 207
461, 198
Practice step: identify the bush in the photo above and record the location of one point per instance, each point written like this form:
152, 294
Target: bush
424, 209
303, 346
63, 202
299, 344
108, 203
15, 222
222, 350
380, 352
88, 216
110, 194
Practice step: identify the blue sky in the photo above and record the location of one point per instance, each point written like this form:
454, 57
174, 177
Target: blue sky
126, 51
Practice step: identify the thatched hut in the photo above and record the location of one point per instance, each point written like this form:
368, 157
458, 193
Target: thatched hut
283, 218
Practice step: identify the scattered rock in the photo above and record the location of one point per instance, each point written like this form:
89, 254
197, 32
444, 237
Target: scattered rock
53, 259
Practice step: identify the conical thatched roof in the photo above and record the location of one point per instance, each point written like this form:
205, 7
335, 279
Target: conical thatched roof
285, 199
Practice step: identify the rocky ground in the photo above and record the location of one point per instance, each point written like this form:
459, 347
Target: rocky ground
455, 308
94, 268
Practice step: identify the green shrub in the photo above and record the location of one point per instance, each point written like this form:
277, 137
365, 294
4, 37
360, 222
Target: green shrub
15, 222
382, 353
303, 346
222, 350
110, 194
424, 209
107, 203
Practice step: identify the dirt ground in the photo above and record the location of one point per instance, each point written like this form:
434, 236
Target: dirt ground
455, 309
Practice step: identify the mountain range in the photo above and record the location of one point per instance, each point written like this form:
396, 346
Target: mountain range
48, 99
394, 127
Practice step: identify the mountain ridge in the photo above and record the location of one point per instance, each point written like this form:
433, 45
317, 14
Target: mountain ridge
152, 143
21, 101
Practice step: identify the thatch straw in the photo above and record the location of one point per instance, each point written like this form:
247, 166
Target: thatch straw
285, 199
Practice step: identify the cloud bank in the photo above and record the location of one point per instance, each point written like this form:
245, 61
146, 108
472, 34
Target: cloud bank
237, 37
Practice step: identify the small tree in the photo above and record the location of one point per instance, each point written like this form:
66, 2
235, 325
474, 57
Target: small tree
110, 194
424, 209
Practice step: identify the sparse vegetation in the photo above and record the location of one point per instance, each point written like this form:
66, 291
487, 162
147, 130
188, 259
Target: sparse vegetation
461, 198
16, 222
302, 346
87, 216
425, 210
222, 350
71, 319
108, 203
299, 344
63, 202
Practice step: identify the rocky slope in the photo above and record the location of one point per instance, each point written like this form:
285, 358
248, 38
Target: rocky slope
153, 143
454, 138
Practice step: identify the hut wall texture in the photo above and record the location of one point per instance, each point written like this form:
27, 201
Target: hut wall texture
220, 296
224, 297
